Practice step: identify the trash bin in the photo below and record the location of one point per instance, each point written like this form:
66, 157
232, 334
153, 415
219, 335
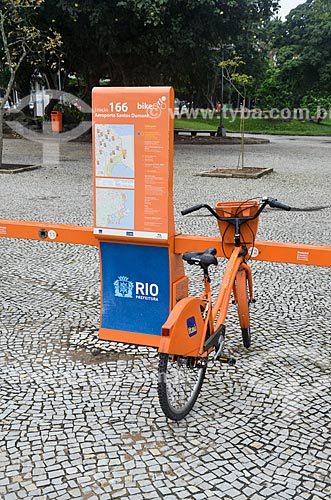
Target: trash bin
56, 118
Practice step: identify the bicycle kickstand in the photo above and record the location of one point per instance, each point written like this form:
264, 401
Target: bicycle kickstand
219, 353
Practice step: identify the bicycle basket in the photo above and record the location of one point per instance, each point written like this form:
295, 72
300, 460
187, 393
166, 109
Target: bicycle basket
248, 230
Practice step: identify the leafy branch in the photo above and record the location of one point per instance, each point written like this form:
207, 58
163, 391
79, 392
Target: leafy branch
21, 39
239, 81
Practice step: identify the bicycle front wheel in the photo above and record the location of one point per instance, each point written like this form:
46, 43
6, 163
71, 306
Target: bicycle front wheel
179, 384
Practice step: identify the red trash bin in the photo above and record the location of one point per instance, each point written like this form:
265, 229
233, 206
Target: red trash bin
56, 119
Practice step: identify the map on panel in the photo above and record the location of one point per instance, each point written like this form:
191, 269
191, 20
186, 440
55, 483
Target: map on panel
114, 150
115, 208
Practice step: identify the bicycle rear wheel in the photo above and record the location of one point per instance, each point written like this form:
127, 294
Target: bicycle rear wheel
179, 384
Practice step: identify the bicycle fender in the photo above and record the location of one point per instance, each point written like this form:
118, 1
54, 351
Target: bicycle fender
242, 298
182, 332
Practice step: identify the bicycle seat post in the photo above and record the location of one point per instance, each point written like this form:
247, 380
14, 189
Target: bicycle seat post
237, 233
206, 281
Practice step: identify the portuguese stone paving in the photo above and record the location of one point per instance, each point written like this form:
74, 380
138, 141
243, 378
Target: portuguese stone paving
80, 418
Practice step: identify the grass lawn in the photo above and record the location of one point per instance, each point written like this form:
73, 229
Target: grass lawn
258, 126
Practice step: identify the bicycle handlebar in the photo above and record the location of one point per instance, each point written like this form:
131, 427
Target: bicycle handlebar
272, 202
191, 209
276, 204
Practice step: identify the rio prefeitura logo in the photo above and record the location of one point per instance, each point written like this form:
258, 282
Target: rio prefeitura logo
123, 287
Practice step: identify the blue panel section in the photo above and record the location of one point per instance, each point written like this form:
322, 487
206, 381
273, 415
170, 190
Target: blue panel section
135, 287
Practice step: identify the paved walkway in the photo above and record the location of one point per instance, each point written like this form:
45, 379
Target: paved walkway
80, 418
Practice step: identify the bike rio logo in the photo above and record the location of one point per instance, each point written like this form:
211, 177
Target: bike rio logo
153, 110
125, 288
192, 329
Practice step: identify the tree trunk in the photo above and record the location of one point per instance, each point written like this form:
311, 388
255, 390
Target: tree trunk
243, 133
2, 112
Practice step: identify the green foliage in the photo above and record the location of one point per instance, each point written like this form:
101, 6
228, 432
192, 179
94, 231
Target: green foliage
259, 126
303, 49
153, 42
21, 37
71, 114
274, 92
317, 105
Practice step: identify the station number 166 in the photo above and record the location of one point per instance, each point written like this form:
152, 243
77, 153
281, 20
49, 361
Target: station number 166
118, 107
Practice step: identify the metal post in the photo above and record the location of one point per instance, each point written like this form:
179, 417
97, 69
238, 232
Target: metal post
59, 79
59, 87
221, 132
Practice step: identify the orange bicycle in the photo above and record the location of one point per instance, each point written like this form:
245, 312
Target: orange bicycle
195, 327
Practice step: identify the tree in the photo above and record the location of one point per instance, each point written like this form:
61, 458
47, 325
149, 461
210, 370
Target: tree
240, 82
154, 42
21, 39
302, 51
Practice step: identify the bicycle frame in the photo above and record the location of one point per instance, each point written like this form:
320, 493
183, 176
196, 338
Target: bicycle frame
185, 330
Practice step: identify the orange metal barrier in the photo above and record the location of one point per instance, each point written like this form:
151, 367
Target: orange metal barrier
63, 233
291, 253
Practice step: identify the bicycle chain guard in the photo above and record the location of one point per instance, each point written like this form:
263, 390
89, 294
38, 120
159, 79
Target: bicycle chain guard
184, 329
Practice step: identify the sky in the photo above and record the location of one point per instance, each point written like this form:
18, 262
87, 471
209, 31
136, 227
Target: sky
287, 5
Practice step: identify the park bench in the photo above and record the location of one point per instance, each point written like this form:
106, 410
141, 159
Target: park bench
193, 133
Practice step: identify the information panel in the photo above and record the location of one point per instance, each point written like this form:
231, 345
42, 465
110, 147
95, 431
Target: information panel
133, 154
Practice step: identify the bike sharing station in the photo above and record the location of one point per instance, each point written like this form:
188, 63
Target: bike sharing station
142, 272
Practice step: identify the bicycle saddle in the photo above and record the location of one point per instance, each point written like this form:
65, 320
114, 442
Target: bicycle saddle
202, 259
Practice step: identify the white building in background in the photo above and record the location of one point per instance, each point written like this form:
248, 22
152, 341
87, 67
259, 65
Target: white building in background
13, 98
39, 97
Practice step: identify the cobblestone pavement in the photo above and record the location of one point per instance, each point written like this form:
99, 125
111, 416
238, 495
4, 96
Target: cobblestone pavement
80, 418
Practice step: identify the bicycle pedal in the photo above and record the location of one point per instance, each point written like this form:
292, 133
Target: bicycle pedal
228, 361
